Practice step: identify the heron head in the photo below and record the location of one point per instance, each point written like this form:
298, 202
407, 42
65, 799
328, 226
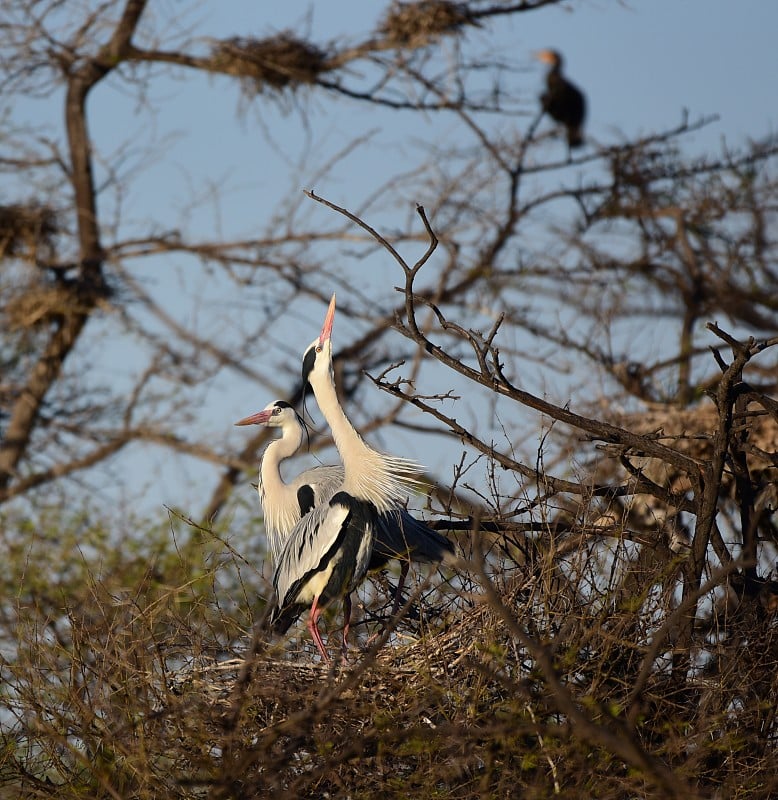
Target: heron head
318, 356
274, 415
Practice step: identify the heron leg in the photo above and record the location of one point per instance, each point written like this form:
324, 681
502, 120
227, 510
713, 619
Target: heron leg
346, 622
398, 594
398, 597
313, 627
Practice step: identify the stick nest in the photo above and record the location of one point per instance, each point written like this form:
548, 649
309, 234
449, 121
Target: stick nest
275, 63
25, 229
35, 302
36, 305
451, 655
417, 23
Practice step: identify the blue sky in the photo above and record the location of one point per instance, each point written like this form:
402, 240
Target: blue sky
640, 64
639, 61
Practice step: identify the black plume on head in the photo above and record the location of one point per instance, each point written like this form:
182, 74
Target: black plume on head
309, 359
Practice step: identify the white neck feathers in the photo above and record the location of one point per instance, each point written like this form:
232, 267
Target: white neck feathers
279, 501
379, 479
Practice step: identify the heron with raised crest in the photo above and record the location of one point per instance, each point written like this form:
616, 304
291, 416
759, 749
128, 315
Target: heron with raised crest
328, 552
399, 535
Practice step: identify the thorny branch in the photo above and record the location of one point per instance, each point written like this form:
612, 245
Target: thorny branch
493, 377
704, 476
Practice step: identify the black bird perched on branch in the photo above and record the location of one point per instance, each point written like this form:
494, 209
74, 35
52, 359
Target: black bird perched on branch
562, 100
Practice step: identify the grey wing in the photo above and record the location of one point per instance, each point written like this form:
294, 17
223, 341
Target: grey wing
400, 535
307, 547
324, 481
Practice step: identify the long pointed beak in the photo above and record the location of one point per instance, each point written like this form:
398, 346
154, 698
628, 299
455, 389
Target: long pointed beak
326, 331
260, 418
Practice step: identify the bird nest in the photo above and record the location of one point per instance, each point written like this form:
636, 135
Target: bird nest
26, 228
36, 305
275, 63
405, 710
454, 650
415, 23
691, 430
32, 303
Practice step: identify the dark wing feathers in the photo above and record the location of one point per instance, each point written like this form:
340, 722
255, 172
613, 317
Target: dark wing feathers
307, 550
340, 532
306, 499
400, 535
565, 103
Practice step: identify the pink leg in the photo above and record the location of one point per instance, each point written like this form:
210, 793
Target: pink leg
313, 628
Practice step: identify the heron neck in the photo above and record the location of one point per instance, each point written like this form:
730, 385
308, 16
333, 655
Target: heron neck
279, 500
349, 443
275, 454
367, 475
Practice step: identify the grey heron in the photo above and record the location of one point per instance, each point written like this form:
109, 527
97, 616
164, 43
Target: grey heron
328, 552
398, 534
285, 504
563, 101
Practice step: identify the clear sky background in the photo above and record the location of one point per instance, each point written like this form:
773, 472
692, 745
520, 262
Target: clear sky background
640, 63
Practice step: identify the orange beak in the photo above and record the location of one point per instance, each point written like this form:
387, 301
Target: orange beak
546, 56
